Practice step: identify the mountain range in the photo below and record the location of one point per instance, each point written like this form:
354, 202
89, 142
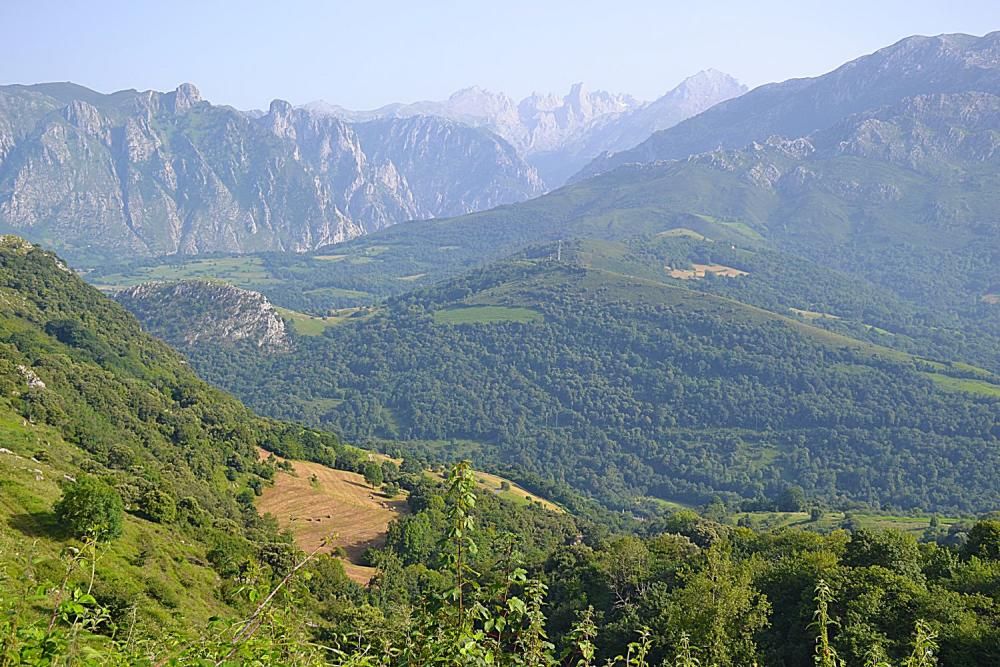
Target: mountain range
147, 173
560, 134
872, 232
901, 190
798, 107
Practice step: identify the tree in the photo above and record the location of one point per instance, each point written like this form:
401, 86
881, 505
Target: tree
891, 549
90, 508
984, 540
792, 499
411, 466
373, 474
720, 610
390, 471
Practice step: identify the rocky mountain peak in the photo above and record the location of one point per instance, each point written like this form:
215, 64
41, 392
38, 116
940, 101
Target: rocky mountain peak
279, 119
709, 82
280, 108
127, 173
85, 117
914, 66
184, 98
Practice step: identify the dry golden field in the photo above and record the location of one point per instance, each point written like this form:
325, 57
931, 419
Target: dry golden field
318, 503
699, 271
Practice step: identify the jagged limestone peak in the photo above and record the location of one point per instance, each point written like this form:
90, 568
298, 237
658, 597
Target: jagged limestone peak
185, 97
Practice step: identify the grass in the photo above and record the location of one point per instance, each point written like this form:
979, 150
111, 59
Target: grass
338, 292
813, 315
699, 271
966, 385
312, 325
339, 506
915, 525
683, 232
247, 272
486, 315
516, 494
306, 325
161, 570
739, 227
318, 503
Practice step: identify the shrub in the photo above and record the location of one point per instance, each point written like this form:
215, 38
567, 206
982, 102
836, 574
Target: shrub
158, 506
984, 540
158, 589
89, 508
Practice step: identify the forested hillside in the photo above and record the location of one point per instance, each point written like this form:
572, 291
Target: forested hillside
623, 387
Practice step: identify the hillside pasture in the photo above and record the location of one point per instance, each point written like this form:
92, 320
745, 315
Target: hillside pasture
485, 315
318, 503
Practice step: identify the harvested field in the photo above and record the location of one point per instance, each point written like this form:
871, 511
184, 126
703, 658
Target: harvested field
317, 503
699, 271
813, 315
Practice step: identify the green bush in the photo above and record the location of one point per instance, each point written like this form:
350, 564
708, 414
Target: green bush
158, 506
89, 508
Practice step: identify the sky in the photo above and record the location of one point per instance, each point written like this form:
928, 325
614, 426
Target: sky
365, 53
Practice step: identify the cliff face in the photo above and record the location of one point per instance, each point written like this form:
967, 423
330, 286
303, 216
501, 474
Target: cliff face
196, 312
160, 173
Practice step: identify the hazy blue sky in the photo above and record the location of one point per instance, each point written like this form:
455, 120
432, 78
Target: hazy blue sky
368, 52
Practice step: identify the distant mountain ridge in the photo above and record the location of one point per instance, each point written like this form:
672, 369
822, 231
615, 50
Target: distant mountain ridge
148, 173
559, 134
798, 107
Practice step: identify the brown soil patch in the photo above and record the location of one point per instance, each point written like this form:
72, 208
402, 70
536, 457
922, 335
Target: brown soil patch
335, 505
699, 271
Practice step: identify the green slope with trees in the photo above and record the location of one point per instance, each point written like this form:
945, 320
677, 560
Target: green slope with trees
622, 386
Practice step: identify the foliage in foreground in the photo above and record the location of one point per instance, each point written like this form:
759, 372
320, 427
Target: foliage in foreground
722, 598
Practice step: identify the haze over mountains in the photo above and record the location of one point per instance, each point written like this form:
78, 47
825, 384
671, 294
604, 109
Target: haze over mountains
559, 134
149, 174
905, 178
663, 412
